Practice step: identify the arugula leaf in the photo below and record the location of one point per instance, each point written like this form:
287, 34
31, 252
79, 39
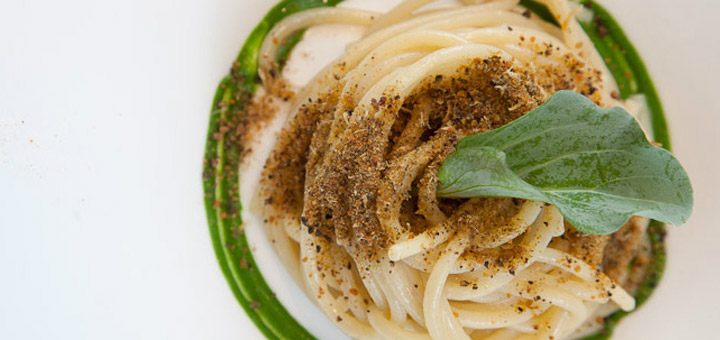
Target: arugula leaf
594, 164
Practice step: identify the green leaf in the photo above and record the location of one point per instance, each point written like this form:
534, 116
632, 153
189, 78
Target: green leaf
594, 164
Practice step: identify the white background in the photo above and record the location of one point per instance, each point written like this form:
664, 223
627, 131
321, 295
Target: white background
103, 115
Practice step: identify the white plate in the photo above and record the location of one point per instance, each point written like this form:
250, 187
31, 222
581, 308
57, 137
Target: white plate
103, 111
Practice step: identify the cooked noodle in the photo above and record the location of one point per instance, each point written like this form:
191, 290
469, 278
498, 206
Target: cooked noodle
348, 191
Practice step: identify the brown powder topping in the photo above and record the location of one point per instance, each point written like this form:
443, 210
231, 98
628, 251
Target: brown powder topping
627, 254
334, 160
343, 170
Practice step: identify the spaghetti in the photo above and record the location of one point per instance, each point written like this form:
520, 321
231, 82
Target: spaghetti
348, 192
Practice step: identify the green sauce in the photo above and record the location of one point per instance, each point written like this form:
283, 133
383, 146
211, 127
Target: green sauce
223, 156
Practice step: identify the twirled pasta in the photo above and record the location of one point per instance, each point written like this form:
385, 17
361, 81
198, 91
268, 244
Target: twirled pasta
348, 191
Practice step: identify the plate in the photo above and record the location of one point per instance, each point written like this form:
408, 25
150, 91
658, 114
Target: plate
103, 111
